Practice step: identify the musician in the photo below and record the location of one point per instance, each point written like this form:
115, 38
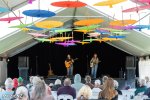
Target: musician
94, 65
69, 65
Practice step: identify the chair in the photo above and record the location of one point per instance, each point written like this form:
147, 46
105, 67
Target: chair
65, 97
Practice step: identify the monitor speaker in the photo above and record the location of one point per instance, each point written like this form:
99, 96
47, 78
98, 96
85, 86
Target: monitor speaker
23, 61
130, 61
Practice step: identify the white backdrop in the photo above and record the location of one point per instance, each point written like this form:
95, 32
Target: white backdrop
144, 67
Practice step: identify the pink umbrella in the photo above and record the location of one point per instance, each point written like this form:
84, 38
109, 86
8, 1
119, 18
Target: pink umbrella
37, 34
138, 8
9, 19
144, 1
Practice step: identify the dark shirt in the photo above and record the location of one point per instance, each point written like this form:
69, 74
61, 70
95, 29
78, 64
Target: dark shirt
115, 98
119, 92
67, 90
56, 87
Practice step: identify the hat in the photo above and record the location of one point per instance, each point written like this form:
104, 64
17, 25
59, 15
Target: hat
20, 79
97, 82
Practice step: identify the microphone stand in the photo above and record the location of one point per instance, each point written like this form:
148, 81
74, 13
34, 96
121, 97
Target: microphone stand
87, 65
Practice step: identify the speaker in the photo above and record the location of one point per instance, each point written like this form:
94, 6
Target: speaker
23, 61
130, 61
23, 66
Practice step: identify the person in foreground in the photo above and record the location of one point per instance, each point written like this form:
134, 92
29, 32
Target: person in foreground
40, 90
109, 92
67, 89
88, 81
84, 93
142, 87
77, 82
57, 85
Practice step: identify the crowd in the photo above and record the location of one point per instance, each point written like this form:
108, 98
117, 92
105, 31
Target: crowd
37, 89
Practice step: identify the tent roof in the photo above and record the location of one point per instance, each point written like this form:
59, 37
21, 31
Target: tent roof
136, 43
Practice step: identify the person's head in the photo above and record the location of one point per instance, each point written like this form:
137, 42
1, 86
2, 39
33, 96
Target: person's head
31, 79
77, 78
58, 82
9, 84
68, 56
104, 79
67, 82
39, 90
15, 82
22, 93
20, 81
142, 82
88, 79
109, 91
95, 55
97, 83
147, 79
84, 93
116, 84
35, 80
109, 84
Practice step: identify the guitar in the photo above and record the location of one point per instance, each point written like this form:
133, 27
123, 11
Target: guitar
93, 64
50, 71
69, 63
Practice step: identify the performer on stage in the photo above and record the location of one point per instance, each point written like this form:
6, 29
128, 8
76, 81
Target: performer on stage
69, 65
94, 65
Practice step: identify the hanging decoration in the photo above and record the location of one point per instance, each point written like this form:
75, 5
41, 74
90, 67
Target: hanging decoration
87, 22
43, 40
122, 22
129, 27
90, 40
38, 13
95, 34
109, 3
60, 30
35, 28
116, 36
21, 26
4, 9
49, 24
38, 34
137, 9
61, 38
111, 39
83, 31
9, 19
69, 4
65, 44
83, 43
144, 1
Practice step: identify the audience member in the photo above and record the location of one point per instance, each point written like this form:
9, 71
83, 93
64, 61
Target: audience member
39, 90
142, 87
96, 89
67, 89
109, 92
147, 81
15, 83
29, 85
8, 93
88, 82
84, 93
77, 82
56, 85
116, 85
20, 81
22, 93
104, 78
